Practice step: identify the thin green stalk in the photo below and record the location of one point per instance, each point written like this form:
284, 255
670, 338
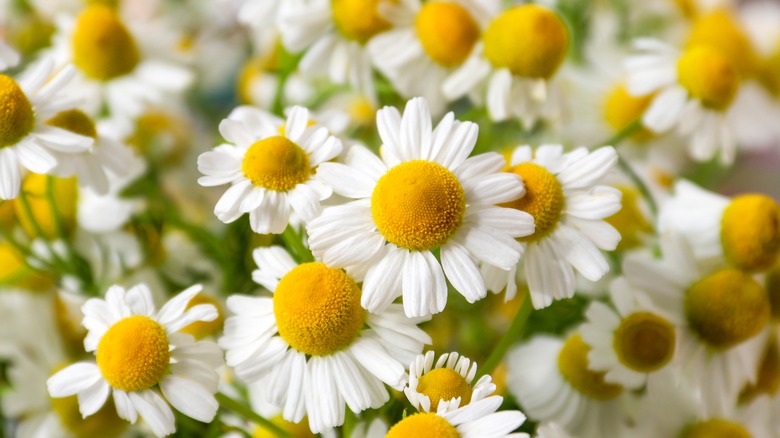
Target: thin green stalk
512, 334
294, 244
55, 211
248, 414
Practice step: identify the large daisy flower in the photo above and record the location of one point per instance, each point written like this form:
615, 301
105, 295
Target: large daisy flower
424, 194
270, 166
569, 212
313, 348
25, 138
139, 350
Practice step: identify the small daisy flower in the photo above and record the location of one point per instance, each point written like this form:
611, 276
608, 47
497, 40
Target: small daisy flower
138, 350
447, 384
569, 212
8, 56
25, 138
270, 166
312, 347
422, 195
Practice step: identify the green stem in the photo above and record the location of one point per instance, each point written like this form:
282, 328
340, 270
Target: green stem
294, 243
60, 229
512, 334
244, 411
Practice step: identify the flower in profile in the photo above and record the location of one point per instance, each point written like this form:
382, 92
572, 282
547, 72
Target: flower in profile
270, 166
425, 194
140, 352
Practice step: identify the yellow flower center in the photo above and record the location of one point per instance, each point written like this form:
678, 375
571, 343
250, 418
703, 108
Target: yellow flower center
644, 342
358, 20
423, 424
17, 118
161, 136
720, 30
362, 111
418, 205
133, 354
573, 364
38, 188
201, 329
447, 32
726, 308
444, 384
276, 163
768, 381
709, 76
750, 232
317, 309
621, 109
629, 220
543, 199
297, 430
104, 423
529, 40
74, 121
715, 428
103, 49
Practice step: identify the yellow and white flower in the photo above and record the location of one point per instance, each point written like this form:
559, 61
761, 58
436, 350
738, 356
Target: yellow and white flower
314, 349
270, 166
137, 350
425, 193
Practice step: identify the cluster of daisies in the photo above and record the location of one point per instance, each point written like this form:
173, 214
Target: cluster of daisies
579, 197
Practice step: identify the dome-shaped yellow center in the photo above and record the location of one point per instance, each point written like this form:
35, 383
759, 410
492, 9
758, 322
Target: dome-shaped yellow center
17, 118
644, 342
715, 428
621, 109
276, 163
726, 308
134, 353
74, 121
530, 40
750, 232
444, 384
543, 199
573, 364
768, 381
358, 20
317, 309
709, 76
447, 32
201, 329
104, 423
418, 205
423, 424
103, 49
720, 29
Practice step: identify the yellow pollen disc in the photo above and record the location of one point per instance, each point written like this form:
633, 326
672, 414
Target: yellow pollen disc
644, 342
103, 49
358, 20
768, 381
317, 309
543, 199
530, 40
621, 109
104, 423
423, 424
276, 163
201, 329
74, 121
65, 193
750, 232
444, 384
418, 205
447, 32
715, 428
630, 222
726, 308
573, 364
133, 354
709, 76
362, 111
719, 29
17, 118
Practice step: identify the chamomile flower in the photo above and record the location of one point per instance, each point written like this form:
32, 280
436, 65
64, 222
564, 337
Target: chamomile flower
8, 56
138, 349
421, 50
270, 166
312, 347
445, 385
569, 212
422, 195
26, 141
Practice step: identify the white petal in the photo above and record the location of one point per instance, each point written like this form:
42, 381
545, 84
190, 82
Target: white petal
462, 272
189, 398
154, 411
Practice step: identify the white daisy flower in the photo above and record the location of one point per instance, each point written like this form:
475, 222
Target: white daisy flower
313, 348
138, 349
8, 56
426, 46
270, 166
25, 138
569, 212
422, 195
448, 382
